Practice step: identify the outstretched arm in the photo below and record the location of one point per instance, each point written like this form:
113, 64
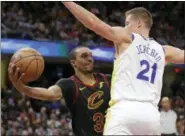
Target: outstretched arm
174, 55
52, 93
89, 20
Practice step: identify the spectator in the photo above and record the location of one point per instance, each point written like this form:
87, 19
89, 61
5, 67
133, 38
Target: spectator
54, 22
40, 131
168, 118
180, 127
25, 133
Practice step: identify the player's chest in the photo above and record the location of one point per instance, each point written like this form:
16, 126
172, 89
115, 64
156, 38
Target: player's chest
95, 97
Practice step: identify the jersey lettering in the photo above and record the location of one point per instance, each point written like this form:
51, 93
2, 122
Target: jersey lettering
147, 50
141, 75
98, 118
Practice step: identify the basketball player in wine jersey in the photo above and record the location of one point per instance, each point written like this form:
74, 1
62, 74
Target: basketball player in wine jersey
86, 93
138, 71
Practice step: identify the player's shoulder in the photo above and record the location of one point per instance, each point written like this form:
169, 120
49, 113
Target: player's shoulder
66, 84
65, 81
106, 77
155, 42
158, 46
140, 37
135, 34
102, 74
137, 37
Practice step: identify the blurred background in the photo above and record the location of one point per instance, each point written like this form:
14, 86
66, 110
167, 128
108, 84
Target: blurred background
52, 30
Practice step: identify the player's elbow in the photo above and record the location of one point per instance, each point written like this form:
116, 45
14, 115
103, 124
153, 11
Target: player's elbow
55, 93
56, 97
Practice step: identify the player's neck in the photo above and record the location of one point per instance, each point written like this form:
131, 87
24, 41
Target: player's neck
86, 78
144, 33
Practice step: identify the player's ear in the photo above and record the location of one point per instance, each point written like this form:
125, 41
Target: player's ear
139, 22
72, 63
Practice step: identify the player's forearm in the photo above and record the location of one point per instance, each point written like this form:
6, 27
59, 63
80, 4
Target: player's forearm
84, 16
181, 59
178, 58
35, 92
174, 55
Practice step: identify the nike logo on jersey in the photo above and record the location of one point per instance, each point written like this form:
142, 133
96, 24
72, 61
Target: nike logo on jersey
82, 88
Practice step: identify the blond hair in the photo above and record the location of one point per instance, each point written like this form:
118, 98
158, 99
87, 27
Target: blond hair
143, 14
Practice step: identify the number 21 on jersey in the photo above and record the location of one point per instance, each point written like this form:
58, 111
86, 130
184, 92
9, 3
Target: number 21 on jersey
147, 67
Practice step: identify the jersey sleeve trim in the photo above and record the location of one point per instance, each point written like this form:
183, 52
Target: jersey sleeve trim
163, 50
133, 37
76, 90
105, 79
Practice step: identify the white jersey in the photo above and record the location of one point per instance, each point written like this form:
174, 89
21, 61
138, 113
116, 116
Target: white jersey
138, 72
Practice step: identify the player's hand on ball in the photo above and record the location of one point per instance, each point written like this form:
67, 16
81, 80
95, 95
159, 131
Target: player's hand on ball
15, 74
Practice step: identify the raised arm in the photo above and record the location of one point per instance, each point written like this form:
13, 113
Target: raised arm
89, 20
174, 55
52, 93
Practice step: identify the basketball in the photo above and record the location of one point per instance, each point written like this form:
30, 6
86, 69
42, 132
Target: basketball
30, 62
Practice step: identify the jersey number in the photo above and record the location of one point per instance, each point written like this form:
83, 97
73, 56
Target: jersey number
142, 75
98, 118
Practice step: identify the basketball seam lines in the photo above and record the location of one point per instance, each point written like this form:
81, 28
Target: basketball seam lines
36, 68
25, 57
37, 62
28, 65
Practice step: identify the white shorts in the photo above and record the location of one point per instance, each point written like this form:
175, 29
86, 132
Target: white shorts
132, 118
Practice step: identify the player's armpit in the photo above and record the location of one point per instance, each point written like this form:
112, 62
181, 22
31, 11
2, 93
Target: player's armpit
115, 34
174, 55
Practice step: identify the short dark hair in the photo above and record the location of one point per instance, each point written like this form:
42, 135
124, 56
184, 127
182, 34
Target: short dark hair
142, 13
72, 54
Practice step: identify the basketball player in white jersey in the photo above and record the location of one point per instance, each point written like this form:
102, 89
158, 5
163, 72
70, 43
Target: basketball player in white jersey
138, 71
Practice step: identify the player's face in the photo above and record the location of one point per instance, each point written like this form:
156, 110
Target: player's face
84, 60
132, 24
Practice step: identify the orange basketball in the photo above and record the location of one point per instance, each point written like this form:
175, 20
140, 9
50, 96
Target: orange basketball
30, 62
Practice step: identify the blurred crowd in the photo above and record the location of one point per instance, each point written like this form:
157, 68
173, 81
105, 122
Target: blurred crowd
52, 21
46, 21
23, 116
